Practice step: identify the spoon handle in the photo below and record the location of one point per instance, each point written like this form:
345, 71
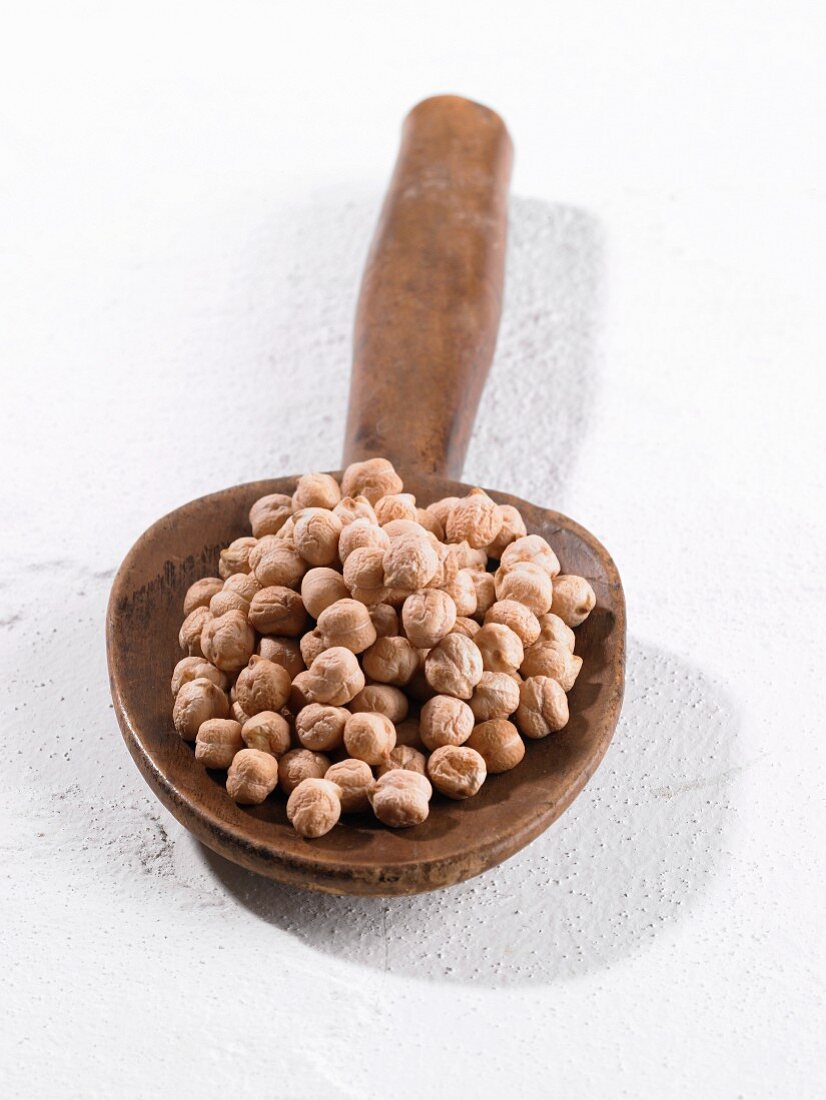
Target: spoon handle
431, 294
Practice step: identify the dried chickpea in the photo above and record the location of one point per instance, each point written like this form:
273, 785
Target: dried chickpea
501, 648
543, 707
244, 584
262, 685
381, 699
251, 777
519, 618
316, 533
456, 771
462, 590
395, 506
410, 562
428, 616
347, 623
300, 693
527, 583
573, 599
454, 666
218, 740
385, 619
354, 780
278, 610
554, 660
283, 651
276, 563
513, 528
445, 721
374, 478
314, 807
407, 733
498, 743
269, 514
391, 661
195, 703
334, 677
532, 548
397, 527
321, 587
401, 798
350, 509
228, 641
225, 601
359, 534
485, 592
193, 668
201, 592
474, 519
298, 765
320, 727
473, 558
285, 535
369, 736
364, 568
192, 628
441, 509
235, 558
267, 732
496, 696
553, 629
404, 757
463, 625
316, 491
238, 713
312, 643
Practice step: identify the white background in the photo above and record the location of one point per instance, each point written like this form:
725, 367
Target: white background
186, 196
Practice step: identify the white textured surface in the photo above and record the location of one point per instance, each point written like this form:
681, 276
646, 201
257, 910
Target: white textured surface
187, 196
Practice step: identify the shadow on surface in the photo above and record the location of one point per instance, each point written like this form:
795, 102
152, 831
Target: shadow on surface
630, 856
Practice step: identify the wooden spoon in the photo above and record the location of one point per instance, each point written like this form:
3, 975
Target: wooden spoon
424, 338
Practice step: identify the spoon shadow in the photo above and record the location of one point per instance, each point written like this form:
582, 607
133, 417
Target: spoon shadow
632, 855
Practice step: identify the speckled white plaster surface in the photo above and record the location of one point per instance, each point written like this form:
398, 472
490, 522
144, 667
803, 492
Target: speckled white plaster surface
187, 197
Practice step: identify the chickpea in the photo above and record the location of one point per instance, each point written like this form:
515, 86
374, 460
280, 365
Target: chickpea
527, 583
573, 599
321, 587
391, 661
369, 737
395, 506
269, 514
531, 548
474, 519
543, 707
501, 649
485, 592
499, 744
235, 558
316, 533
312, 643
445, 720
373, 478
456, 771
276, 563
401, 798
496, 696
283, 651
251, 777
554, 660
193, 668
407, 733
262, 685
316, 491
301, 694
513, 528
410, 562
441, 509
192, 628
238, 713
381, 699
468, 627
354, 780
359, 534
385, 619
462, 590
454, 666
552, 629
267, 732
314, 807
201, 592
285, 537
405, 757
347, 623
228, 641
519, 618
334, 677
428, 616
397, 527
197, 702
299, 764
225, 601
364, 568
350, 509
217, 742
321, 727
278, 610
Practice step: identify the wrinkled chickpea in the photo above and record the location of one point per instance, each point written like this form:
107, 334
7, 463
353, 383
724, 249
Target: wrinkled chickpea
217, 742
238, 713
364, 568
385, 619
278, 610
513, 528
406, 757
543, 707
369, 736
553, 629
496, 696
428, 616
445, 720
251, 777
462, 591
410, 562
456, 771
316, 491
192, 628
431, 523
354, 780
407, 733
228, 641
269, 514
334, 677
193, 668
197, 702
320, 727
283, 651
527, 583
474, 519
374, 478
573, 599
298, 765
314, 807
201, 592
321, 587
498, 743
391, 661
316, 533
262, 685
441, 509
501, 648
395, 506
267, 732
485, 592
381, 699
347, 623
277, 563
350, 509
531, 548
519, 618
468, 627
312, 644
454, 666
359, 534
554, 660
235, 558
401, 798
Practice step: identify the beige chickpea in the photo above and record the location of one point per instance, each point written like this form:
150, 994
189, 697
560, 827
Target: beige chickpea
359, 534
192, 628
543, 707
235, 558
405, 757
468, 627
283, 651
410, 562
428, 616
284, 537
369, 736
314, 807
553, 629
227, 600
300, 764
217, 742
300, 692
531, 548
262, 685
278, 610
454, 666
316, 491
519, 618
244, 584
193, 668
374, 478
276, 563
391, 661
401, 798
238, 713
267, 732
496, 696
431, 523
573, 599
498, 743
501, 648
197, 702
395, 506
364, 568
445, 720
334, 677
312, 644
201, 592
347, 623
320, 727
316, 533
397, 527
407, 733
350, 509
228, 641
382, 699
441, 509
354, 780
462, 591
473, 558
456, 771
554, 660
474, 519
321, 587
269, 514
527, 583
485, 592
251, 777
513, 528
385, 619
